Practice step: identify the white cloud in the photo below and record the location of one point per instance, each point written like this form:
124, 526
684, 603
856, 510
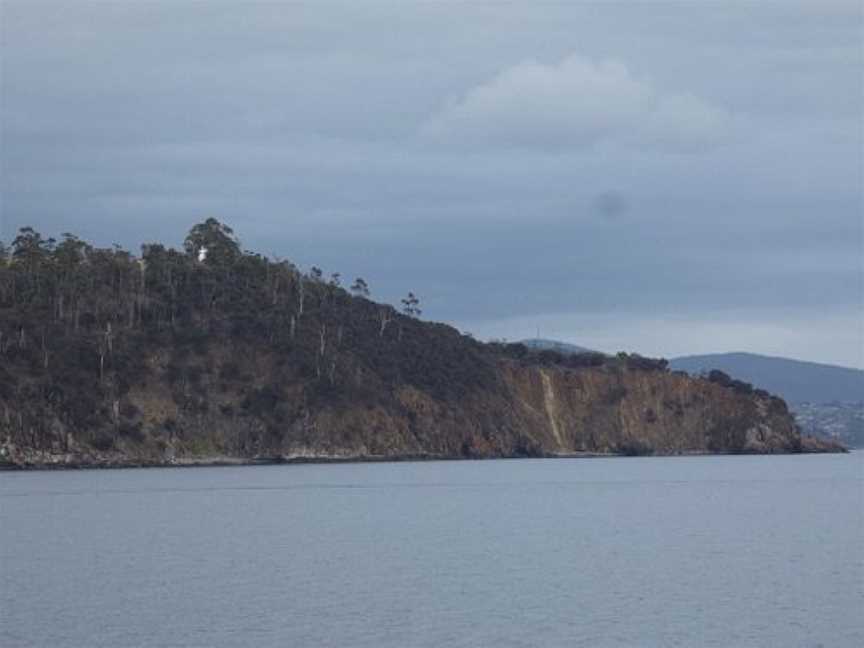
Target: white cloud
575, 104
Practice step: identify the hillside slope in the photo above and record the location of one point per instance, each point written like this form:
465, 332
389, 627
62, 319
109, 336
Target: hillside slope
211, 354
794, 380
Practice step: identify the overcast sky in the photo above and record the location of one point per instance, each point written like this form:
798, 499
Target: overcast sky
667, 178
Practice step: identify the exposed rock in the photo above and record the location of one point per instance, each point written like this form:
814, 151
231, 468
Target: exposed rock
529, 411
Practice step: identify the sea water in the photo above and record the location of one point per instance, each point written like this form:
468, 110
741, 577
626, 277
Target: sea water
732, 551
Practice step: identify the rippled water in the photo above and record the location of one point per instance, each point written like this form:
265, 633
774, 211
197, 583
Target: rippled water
695, 551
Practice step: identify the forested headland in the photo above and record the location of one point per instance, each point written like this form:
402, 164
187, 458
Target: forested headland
211, 352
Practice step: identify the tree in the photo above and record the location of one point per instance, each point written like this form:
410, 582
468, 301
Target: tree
411, 305
360, 288
69, 255
719, 377
30, 249
165, 273
212, 243
71, 251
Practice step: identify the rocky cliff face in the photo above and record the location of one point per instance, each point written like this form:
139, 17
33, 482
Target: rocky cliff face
527, 410
555, 411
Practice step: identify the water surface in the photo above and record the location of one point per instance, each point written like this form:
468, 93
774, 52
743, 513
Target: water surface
690, 551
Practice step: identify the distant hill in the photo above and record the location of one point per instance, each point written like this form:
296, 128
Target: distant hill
794, 380
555, 345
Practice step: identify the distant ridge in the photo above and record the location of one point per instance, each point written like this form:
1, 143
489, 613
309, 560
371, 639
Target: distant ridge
555, 345
795, 380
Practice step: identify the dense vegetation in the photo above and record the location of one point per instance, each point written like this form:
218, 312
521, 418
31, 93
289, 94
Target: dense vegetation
77, 323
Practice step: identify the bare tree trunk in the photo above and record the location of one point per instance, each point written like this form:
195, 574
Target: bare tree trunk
44, 352
384, 319
301, 289
322, 336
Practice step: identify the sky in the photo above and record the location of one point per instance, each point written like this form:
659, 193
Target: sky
658, 177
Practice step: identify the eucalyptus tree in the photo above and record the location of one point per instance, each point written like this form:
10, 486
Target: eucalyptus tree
31, 254
30, 250
213, 243
411, 305
70, 257
360, 288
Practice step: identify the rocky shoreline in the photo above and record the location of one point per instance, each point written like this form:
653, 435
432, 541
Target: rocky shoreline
810, 445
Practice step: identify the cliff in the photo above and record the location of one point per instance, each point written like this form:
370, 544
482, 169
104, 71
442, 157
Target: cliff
107, 359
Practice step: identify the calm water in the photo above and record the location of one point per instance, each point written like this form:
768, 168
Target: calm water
700, 551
